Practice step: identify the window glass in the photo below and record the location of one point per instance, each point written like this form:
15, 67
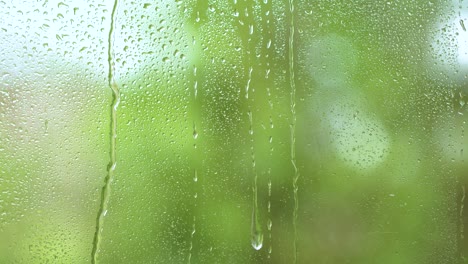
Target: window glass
238, 131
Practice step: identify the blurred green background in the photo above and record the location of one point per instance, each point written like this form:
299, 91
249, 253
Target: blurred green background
218, 100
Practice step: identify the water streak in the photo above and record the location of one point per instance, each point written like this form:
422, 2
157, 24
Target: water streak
462, 205
194, 222
268, 41
293, 122
247, 86
269, 221
256, 230
192, 234
195, 164
106, 189
462, 222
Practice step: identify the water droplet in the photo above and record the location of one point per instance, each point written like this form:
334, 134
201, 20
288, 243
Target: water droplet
62, 4
462, 24
257, 240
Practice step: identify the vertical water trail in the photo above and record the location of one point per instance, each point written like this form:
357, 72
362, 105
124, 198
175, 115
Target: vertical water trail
194, 222
196, 154
462, 222
267, 45
269, 221
195, 203
247, 86
462, 205
256, 229
192, 234
292, 84
106, 189
270, 141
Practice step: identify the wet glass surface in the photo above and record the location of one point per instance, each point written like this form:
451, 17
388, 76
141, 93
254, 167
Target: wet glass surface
235, 131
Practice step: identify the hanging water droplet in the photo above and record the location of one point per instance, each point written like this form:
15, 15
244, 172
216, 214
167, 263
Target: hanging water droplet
256, 230
195, 176
257, 240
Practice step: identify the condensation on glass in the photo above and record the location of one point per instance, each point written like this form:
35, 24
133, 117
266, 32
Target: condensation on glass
233, 131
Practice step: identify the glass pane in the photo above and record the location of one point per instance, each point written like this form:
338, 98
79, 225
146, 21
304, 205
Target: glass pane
53, 128
236, 131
